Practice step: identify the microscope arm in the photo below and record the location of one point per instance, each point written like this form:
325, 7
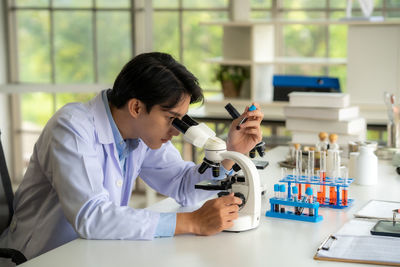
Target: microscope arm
250, 172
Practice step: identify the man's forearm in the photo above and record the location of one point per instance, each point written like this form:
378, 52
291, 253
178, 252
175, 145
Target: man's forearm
184, 223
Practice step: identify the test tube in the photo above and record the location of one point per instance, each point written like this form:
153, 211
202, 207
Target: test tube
335, 178
299, 157
295, 198
283, 197
345, 191
307, 185
332, 195
311, 164
283, 173
298, 163
310, 199
336, 165
276, 194
319, 189
322, 176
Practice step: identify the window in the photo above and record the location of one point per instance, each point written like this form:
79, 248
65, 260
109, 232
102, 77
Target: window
177, 30
64, 43
65, 50
306, 39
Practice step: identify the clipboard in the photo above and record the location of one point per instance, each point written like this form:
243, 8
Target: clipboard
378, 250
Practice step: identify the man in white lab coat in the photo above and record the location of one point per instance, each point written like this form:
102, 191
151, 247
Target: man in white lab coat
84, 164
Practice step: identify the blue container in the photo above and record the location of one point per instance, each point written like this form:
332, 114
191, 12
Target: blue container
285, 84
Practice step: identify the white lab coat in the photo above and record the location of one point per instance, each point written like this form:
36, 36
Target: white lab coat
74, 186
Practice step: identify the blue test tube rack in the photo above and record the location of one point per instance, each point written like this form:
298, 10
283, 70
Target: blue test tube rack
339, 183
290, 214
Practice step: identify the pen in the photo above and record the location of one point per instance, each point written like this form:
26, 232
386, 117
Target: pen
251, 108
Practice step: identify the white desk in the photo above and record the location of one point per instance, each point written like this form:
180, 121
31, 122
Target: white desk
276, 242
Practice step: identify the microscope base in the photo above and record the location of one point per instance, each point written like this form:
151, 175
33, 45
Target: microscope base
244, 223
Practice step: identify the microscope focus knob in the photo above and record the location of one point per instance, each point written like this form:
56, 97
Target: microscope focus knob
223, 193
241, 196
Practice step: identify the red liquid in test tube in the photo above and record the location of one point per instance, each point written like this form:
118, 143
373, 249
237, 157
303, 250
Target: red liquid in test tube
322, 191
344, 196
332, 195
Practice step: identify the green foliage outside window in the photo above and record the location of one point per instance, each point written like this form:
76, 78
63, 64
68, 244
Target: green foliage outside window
73, 42
73, 52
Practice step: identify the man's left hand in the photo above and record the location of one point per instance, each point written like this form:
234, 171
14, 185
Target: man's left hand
244, 139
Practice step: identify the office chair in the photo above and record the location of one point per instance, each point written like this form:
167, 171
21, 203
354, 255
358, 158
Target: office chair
6, 209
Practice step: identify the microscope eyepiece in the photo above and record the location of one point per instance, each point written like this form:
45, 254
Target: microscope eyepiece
180, 125
189, 121
232, 111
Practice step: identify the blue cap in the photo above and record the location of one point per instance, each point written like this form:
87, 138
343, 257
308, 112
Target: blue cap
282, 188
276, 187
252, 108
295, 190
309, 191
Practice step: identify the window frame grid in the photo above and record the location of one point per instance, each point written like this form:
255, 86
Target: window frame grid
10, 9
180, 9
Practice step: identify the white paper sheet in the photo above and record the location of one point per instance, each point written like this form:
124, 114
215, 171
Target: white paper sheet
378, 209
357, 227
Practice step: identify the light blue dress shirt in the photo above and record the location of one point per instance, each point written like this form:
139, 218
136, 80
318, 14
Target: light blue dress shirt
74, 185
167, 221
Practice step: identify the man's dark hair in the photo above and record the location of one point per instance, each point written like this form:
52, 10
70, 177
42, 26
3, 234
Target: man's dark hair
155, 79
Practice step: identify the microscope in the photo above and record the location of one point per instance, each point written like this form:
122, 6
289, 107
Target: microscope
244, 182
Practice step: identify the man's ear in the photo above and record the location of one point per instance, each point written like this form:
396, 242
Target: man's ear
135, 107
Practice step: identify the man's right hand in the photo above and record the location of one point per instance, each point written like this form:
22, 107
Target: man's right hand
213, 217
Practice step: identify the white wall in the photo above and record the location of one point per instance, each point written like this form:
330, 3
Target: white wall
5, 121
373, 62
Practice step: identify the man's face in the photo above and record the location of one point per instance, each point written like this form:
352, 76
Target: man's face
156, 126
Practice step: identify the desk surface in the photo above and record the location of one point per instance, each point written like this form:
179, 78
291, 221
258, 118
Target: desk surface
276, 242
